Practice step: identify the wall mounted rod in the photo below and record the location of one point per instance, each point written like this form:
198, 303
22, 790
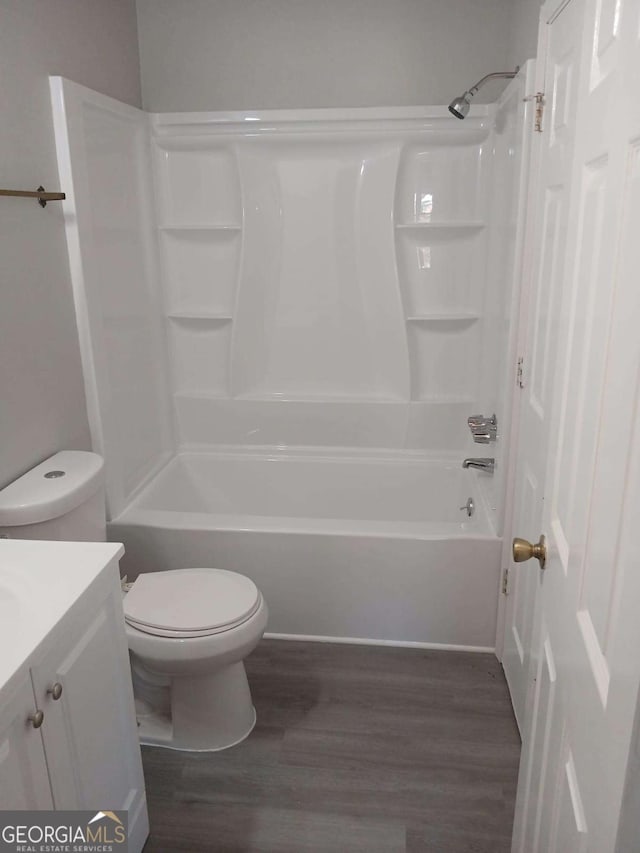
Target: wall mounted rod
41, 194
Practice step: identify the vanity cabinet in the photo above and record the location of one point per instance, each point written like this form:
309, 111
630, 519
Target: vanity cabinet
68, 732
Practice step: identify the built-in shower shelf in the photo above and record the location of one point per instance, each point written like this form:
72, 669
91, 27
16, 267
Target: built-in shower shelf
468, 225
202, 226
199, 316
301, 397
445, 399
461, 317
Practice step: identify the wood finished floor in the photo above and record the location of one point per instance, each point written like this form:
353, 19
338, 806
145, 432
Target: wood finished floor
357, 748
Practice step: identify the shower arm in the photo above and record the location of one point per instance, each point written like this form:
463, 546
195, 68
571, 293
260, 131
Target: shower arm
503, 74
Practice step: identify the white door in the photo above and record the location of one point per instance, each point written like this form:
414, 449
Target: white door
24, 782
586, 633
544, 272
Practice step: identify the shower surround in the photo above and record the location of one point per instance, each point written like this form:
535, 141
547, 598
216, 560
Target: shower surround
319, 275
301, 308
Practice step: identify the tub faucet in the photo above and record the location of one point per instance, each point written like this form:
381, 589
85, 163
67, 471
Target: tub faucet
480, 464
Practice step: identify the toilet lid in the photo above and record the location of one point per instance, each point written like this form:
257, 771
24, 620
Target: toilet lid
193, 602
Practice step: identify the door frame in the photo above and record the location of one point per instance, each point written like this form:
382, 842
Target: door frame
527, 270
525, 273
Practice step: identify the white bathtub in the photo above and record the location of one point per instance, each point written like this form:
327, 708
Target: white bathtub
350, 547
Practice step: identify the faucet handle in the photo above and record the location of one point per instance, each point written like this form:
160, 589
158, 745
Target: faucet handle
484, 434
479, 421
482, 464
484, 437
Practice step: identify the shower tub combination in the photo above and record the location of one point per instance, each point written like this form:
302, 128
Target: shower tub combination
285, 320
356, 549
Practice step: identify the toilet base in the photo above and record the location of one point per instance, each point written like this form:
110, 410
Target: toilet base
155, 729
207, 713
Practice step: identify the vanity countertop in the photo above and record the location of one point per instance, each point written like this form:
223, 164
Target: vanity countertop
39, 582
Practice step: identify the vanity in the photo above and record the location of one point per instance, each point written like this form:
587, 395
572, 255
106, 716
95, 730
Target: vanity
68, 731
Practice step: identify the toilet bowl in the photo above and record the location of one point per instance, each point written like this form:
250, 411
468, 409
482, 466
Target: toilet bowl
189, 631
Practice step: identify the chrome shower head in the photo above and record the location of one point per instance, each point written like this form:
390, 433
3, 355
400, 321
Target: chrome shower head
459, 107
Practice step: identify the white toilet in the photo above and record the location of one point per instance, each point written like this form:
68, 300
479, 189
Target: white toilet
189, 630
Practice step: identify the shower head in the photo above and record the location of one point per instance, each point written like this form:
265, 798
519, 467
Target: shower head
459, 107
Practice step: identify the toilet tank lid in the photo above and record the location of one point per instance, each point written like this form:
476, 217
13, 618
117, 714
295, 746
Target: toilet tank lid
51, 489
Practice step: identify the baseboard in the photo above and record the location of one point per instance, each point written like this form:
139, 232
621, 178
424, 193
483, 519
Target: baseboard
363, 641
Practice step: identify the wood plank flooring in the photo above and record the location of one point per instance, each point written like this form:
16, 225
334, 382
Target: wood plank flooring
357, 748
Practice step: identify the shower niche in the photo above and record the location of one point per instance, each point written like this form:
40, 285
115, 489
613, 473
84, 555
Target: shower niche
441, 269
199, 221
440, 244
198, 185
442, 181
200, 270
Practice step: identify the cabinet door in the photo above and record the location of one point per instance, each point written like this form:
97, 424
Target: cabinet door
24, 783
90, 731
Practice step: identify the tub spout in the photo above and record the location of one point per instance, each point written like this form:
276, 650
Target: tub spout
481, 464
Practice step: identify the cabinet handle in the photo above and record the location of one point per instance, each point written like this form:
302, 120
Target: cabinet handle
56, 691
36, 719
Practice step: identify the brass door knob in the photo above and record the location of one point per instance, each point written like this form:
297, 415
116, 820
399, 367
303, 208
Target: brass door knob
524, 550
36, 719
55, 691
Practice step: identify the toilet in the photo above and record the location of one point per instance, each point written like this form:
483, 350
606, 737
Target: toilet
188, 630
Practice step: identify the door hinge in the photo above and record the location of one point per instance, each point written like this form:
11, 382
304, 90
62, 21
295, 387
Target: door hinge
505, 582
539, 99
520, 373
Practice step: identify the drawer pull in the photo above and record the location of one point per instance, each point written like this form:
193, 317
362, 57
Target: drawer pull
56, 691
36, 719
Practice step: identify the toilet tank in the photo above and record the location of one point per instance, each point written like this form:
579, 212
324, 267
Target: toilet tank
62, 498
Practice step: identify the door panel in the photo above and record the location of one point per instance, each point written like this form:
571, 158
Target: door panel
547, 285
589, 594
570, 830
542, 717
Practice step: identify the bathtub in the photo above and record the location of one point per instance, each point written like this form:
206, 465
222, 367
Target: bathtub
352, 548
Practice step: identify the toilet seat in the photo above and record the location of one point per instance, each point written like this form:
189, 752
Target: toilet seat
185, 603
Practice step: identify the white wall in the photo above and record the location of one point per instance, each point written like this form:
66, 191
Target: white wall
523, 36
42, 405
262, 54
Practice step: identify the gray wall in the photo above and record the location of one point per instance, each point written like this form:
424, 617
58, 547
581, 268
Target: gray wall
42, 406
523, 36
251, 54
